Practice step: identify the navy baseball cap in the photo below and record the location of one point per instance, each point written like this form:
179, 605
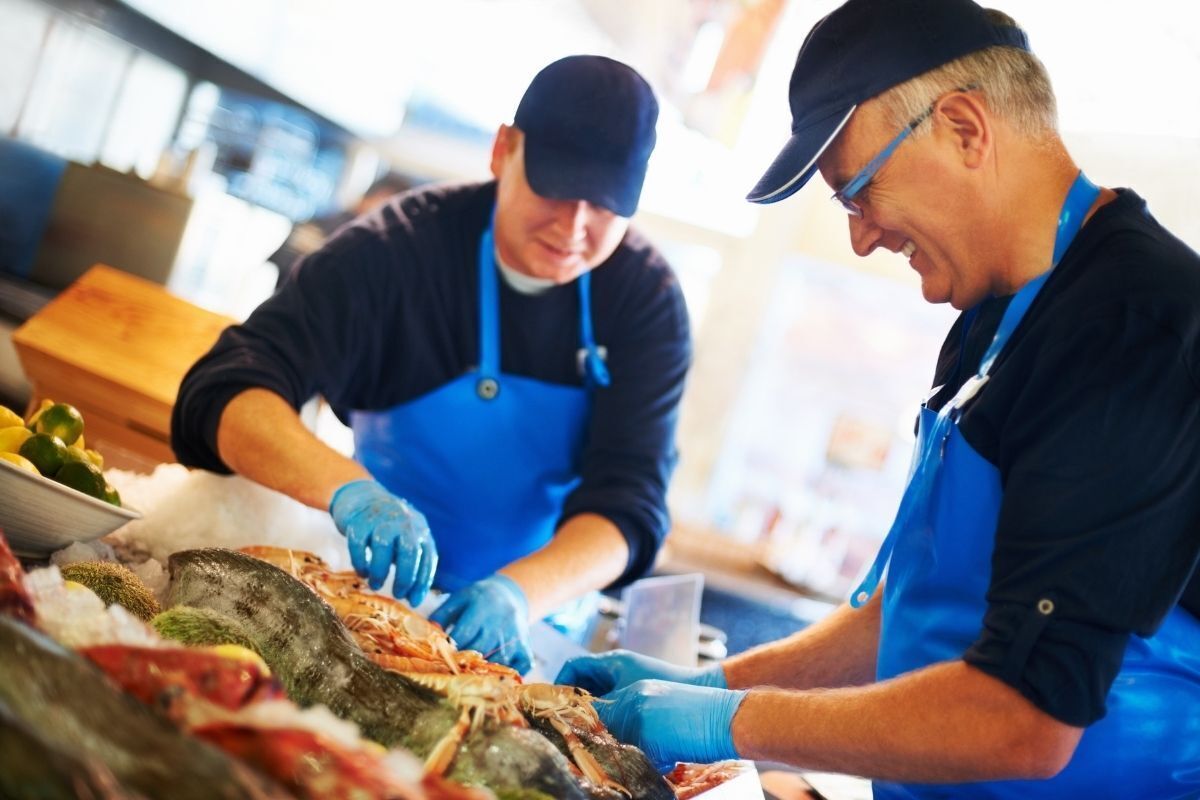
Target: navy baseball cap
589, 130
861, 50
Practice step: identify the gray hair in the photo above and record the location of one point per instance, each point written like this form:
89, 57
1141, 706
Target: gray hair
1013, 82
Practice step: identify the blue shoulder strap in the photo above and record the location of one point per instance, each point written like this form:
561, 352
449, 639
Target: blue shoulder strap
1082, 195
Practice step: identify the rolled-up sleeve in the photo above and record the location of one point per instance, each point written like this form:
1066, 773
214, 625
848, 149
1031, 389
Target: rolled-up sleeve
1098, 530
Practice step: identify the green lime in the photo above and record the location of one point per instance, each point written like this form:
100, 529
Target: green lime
62, 420
9, 418
83, 476
111, 495
74, 453
46, 452
12, 438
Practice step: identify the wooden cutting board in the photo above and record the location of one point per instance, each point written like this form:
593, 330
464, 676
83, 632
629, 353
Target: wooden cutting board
117, 347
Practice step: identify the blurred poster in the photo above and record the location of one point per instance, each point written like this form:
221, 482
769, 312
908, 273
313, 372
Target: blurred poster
817, 449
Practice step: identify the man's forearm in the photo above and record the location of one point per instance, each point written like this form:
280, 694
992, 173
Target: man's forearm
836, 651
945, 723
588, 552
261, 437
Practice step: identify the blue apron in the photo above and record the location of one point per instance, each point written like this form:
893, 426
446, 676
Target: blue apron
490, 457
940, 549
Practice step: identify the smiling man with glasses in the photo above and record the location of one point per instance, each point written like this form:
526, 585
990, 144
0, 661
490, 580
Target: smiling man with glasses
862, 179
1030, 626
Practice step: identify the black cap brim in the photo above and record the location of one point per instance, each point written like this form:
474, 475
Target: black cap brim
797, 161
561, 175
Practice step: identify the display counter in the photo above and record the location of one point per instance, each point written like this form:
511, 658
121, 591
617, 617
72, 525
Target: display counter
117, 347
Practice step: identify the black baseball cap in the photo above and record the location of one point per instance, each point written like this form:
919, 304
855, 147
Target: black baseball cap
862, 49
589, 131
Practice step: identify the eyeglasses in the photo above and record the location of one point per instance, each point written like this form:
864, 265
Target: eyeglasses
846, 194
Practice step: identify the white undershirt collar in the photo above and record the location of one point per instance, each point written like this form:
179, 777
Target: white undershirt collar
520, 282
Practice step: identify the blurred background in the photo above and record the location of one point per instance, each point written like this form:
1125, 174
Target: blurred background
185, 142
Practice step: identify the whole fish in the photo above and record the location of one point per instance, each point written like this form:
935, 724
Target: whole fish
80, 715
310, 650
624, 764
29, 767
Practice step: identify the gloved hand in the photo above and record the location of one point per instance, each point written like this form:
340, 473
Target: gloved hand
396, 534
673, 721
616, 669
491, 616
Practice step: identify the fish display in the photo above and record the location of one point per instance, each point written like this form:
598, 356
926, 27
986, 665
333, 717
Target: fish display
327, 645
395, 637
310, 650
388, 631
80, 716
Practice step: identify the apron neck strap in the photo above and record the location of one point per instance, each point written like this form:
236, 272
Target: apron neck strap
927, 462
489, 307
591, 357
1080, 198
595, 372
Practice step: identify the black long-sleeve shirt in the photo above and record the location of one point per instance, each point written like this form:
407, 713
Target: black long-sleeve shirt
1092, 417
387, 311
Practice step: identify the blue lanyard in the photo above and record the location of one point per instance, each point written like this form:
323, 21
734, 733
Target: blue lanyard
1079, 199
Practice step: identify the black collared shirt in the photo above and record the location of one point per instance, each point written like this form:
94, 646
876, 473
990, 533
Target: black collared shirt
1092, 417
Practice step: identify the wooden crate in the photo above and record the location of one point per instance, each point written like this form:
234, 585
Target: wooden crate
117, 347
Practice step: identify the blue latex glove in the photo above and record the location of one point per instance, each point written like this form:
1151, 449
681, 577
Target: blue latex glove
673, 721
491, 616
395, 534
607, 672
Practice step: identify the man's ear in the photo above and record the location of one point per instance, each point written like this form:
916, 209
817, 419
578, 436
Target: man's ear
503, 147
967, 123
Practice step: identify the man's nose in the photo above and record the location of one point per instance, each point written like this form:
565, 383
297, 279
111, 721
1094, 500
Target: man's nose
573, 215
864, 235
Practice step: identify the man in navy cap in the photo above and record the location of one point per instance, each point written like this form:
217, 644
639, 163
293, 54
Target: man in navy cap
510, 356
1029, 628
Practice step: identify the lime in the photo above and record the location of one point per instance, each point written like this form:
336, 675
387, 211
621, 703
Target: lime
9, 418
46, 452
21, 461
83, 476
12, 438
111, 495
61, 420
74, 453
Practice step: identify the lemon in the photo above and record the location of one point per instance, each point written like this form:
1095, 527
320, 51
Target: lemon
9, 418
33, 418
83, 476
12, 438
95, 458
21, 461
46, 452
239, 653
62, 420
